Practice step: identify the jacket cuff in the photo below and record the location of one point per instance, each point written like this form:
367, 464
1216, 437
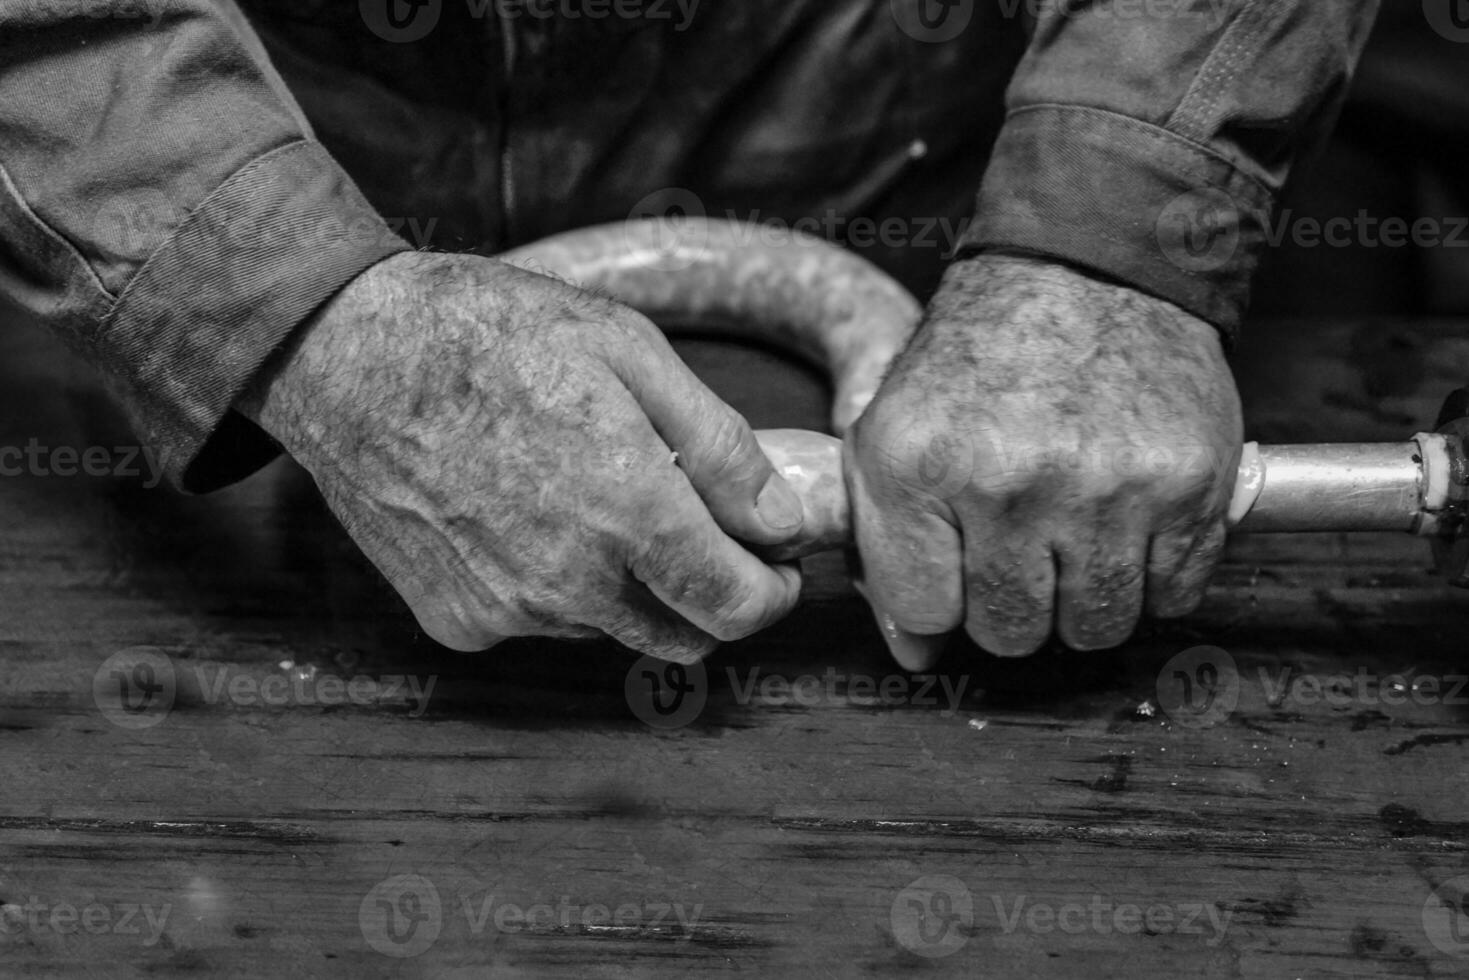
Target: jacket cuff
205, 312
1129, 200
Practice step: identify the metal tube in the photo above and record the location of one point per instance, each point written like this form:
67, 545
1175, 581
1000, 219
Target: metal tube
1339, 487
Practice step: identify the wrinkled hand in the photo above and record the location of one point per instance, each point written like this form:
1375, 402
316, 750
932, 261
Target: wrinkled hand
1049, 451
501, 446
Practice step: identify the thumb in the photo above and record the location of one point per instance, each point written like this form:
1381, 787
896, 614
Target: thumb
716, 449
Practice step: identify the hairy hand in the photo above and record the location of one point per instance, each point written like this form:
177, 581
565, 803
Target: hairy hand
502, 446
1050, 453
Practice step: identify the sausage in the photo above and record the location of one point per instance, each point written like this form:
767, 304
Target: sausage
784, 288
811, 463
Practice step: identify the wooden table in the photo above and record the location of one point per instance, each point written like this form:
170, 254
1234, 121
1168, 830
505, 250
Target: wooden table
287, 803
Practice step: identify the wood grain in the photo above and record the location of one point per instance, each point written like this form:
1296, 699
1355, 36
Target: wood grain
999, 814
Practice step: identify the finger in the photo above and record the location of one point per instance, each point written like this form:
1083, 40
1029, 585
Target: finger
1011, 582
483, 631
1099, 594
1180, 563
639, 621
707, 578
912, 567
716, 448
912, 651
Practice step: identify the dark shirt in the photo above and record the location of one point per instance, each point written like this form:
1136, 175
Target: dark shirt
183, 182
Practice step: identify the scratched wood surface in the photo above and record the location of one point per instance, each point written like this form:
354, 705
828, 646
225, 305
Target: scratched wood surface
224, 749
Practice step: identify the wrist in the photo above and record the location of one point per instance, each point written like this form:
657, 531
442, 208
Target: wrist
290, 395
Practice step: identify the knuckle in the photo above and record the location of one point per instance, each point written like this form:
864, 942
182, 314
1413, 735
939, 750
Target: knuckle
452, 633
737, 613
660, 557
455, 625
727, 450
643, 633
630, 629
1105, 610
1184, 589
732, 608
1010, 610
688, 650
1178, 602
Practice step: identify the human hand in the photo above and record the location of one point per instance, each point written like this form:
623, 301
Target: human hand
1051, 452
502, 447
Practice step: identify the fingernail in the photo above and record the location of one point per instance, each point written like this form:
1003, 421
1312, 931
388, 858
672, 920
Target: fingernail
779, 506
912, 651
